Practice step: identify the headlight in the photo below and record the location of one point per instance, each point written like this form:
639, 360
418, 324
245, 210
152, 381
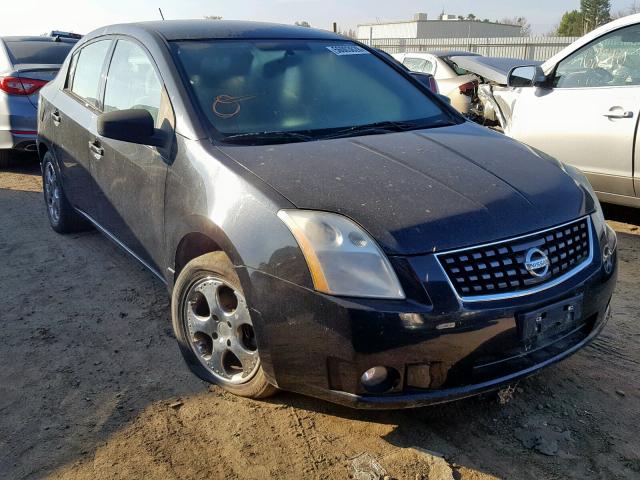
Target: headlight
342, 258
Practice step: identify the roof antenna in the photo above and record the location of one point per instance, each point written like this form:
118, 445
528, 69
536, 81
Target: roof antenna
161, 15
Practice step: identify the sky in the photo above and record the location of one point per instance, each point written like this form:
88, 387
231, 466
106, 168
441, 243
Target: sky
33, 17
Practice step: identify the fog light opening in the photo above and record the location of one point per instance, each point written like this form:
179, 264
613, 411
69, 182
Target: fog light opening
379, 379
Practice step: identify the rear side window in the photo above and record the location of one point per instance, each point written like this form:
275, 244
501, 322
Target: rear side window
418, 65
44, 52
86, 71
132, 81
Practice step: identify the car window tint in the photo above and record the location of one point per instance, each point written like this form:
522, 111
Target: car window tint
87, 71
132, 81
613, 60
43, 52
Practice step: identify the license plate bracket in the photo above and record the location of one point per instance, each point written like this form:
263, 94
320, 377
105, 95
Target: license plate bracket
550, 320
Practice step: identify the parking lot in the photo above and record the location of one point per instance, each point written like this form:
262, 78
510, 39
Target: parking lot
92, 385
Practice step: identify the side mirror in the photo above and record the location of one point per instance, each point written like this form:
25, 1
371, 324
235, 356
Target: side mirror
134, 126
528, 76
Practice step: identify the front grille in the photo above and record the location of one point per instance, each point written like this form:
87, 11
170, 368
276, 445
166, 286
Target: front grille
499, 268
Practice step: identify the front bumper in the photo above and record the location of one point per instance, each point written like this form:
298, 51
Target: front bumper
320, 345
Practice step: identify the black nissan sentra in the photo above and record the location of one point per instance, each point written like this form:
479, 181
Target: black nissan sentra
324, 223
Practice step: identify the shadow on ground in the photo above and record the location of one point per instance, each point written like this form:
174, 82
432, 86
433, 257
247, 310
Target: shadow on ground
93, 386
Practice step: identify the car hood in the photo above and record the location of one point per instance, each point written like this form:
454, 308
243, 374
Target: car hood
423, 191
494, 69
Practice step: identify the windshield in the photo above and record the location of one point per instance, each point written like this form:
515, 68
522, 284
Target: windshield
250, 88
45, 52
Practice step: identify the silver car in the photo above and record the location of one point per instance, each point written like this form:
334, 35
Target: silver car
26, 65
582, 107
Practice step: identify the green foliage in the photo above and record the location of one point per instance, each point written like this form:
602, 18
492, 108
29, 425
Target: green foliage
571, 25
595, 13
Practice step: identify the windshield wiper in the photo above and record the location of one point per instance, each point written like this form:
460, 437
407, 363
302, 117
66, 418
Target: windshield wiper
387, 127
268, 137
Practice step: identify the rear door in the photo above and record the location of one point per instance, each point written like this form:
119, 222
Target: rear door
588, 116
130, 177
74, 118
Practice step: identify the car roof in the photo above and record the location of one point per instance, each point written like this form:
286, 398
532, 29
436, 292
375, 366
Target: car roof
454, 53
220, 29
41, 38
442, 53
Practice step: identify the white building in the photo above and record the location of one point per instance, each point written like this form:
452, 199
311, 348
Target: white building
449, 26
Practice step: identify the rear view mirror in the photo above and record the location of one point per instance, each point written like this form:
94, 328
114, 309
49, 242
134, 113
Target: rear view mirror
134, 126
528, 76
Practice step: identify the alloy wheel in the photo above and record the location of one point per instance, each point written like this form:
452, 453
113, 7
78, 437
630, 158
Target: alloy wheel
52, 192
220, 331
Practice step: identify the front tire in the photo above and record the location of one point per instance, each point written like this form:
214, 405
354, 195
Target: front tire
214, 329
62, 216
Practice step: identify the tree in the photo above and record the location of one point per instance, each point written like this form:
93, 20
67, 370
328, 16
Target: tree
522, 22
595, 13
471, 17
212, 17
571, 25
303, 24
632, 9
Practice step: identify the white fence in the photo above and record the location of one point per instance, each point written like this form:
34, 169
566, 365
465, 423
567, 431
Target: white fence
526, 48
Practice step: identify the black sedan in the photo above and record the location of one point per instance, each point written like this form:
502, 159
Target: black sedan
324, 223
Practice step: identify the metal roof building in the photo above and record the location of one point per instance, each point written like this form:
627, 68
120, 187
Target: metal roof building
421, 27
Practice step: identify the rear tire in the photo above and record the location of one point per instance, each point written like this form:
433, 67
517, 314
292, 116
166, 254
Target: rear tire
62, 216
213, 327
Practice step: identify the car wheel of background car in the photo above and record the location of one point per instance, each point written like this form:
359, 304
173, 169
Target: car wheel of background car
5, 158
62, 217
213, 327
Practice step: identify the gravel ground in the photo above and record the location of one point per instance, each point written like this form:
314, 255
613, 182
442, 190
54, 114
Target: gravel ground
92, 386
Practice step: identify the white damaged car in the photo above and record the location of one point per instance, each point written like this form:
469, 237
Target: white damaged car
580, 106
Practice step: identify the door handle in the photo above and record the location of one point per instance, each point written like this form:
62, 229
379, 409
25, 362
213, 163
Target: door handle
618, 114
55, 115
96, 149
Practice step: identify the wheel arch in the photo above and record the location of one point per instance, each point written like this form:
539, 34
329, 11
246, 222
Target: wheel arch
198, 237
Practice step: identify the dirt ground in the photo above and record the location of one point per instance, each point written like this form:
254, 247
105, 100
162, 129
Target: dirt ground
92, 386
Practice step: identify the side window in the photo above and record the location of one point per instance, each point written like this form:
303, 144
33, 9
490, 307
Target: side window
613, 60
132, 81
429, 67
414, 64
86, 68
418, 64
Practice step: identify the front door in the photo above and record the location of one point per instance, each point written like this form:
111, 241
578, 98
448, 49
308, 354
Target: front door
130, 177
587, 116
